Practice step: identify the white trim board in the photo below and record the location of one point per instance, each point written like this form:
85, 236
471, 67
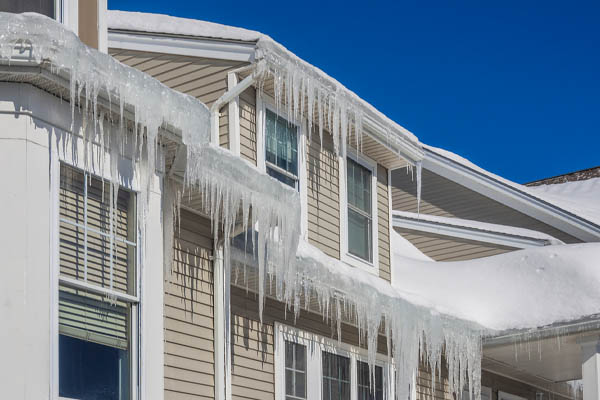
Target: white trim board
420, 223
195, 47
511, 197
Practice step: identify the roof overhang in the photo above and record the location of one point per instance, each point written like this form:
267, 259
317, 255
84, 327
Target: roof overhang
547, 355
511, 196
182, 45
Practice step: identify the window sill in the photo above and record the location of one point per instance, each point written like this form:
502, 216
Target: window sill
357, 262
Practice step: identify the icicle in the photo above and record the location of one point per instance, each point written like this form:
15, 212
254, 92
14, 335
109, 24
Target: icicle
419, 168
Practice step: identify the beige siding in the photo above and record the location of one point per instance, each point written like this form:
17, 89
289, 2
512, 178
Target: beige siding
253, 369
188, 311
203, 78
323, 196
447, 248
247, 106
443, 197
383, 211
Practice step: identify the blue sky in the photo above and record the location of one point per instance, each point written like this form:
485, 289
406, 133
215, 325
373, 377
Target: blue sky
513, 86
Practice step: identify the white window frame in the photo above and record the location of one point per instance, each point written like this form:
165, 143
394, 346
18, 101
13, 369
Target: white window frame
371, 267
135, 301
315, 346
264, 103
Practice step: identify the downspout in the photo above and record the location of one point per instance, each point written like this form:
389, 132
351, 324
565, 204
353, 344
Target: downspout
221, 286
230, 95
222, 324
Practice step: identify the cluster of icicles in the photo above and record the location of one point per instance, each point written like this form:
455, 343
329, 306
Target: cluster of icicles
234, 193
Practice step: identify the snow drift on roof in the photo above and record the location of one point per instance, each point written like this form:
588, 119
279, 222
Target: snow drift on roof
587, 206
522, 289
160, 23
294, 78
582, 196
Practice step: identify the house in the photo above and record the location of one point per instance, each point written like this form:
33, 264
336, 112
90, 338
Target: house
194, 212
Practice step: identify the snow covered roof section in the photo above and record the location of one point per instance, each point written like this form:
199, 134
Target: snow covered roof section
298, 84
587, 206
160, 23
523, 289
479, 226
414, 330
582, 196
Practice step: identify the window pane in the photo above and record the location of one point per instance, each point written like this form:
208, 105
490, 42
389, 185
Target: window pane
87, 241
336, 377
281, 144
364, 382
359, 235
359, 186
90, 370
282, 178
295, 371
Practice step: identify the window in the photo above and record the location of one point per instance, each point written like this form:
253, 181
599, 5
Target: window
295, 371
364, 389
281, 149
45, 7
311, 367
336, 377
360, 213
97, 289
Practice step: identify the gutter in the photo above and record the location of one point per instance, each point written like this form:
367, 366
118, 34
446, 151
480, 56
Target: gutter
580, 326
416, 222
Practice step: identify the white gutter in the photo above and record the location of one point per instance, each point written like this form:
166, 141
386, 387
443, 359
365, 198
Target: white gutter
472, 230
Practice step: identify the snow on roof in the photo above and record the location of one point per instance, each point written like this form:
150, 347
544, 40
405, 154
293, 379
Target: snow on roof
522, 289
480, 226
299, 76
583, 196
582, 201
403, 246
160, 23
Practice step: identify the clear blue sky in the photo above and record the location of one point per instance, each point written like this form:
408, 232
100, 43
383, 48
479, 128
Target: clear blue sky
513, 86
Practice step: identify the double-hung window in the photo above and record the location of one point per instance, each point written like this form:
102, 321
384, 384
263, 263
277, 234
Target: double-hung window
281, 149
360, 210
311, 367
97, 310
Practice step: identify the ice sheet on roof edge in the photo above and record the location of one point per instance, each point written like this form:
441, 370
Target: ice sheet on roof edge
228, 184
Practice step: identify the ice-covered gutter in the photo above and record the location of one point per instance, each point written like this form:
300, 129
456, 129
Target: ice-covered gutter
474, 230
414, 331
230, 186
301, 87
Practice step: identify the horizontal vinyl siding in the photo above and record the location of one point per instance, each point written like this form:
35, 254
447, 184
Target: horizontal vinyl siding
448, 248
188, 311
253, 349
383, 207
323, 196
202, 78
247, 105
445, 198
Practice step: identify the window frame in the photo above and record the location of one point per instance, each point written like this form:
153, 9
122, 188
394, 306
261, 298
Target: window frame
133, 301
355, 261
265, 102
315, 346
